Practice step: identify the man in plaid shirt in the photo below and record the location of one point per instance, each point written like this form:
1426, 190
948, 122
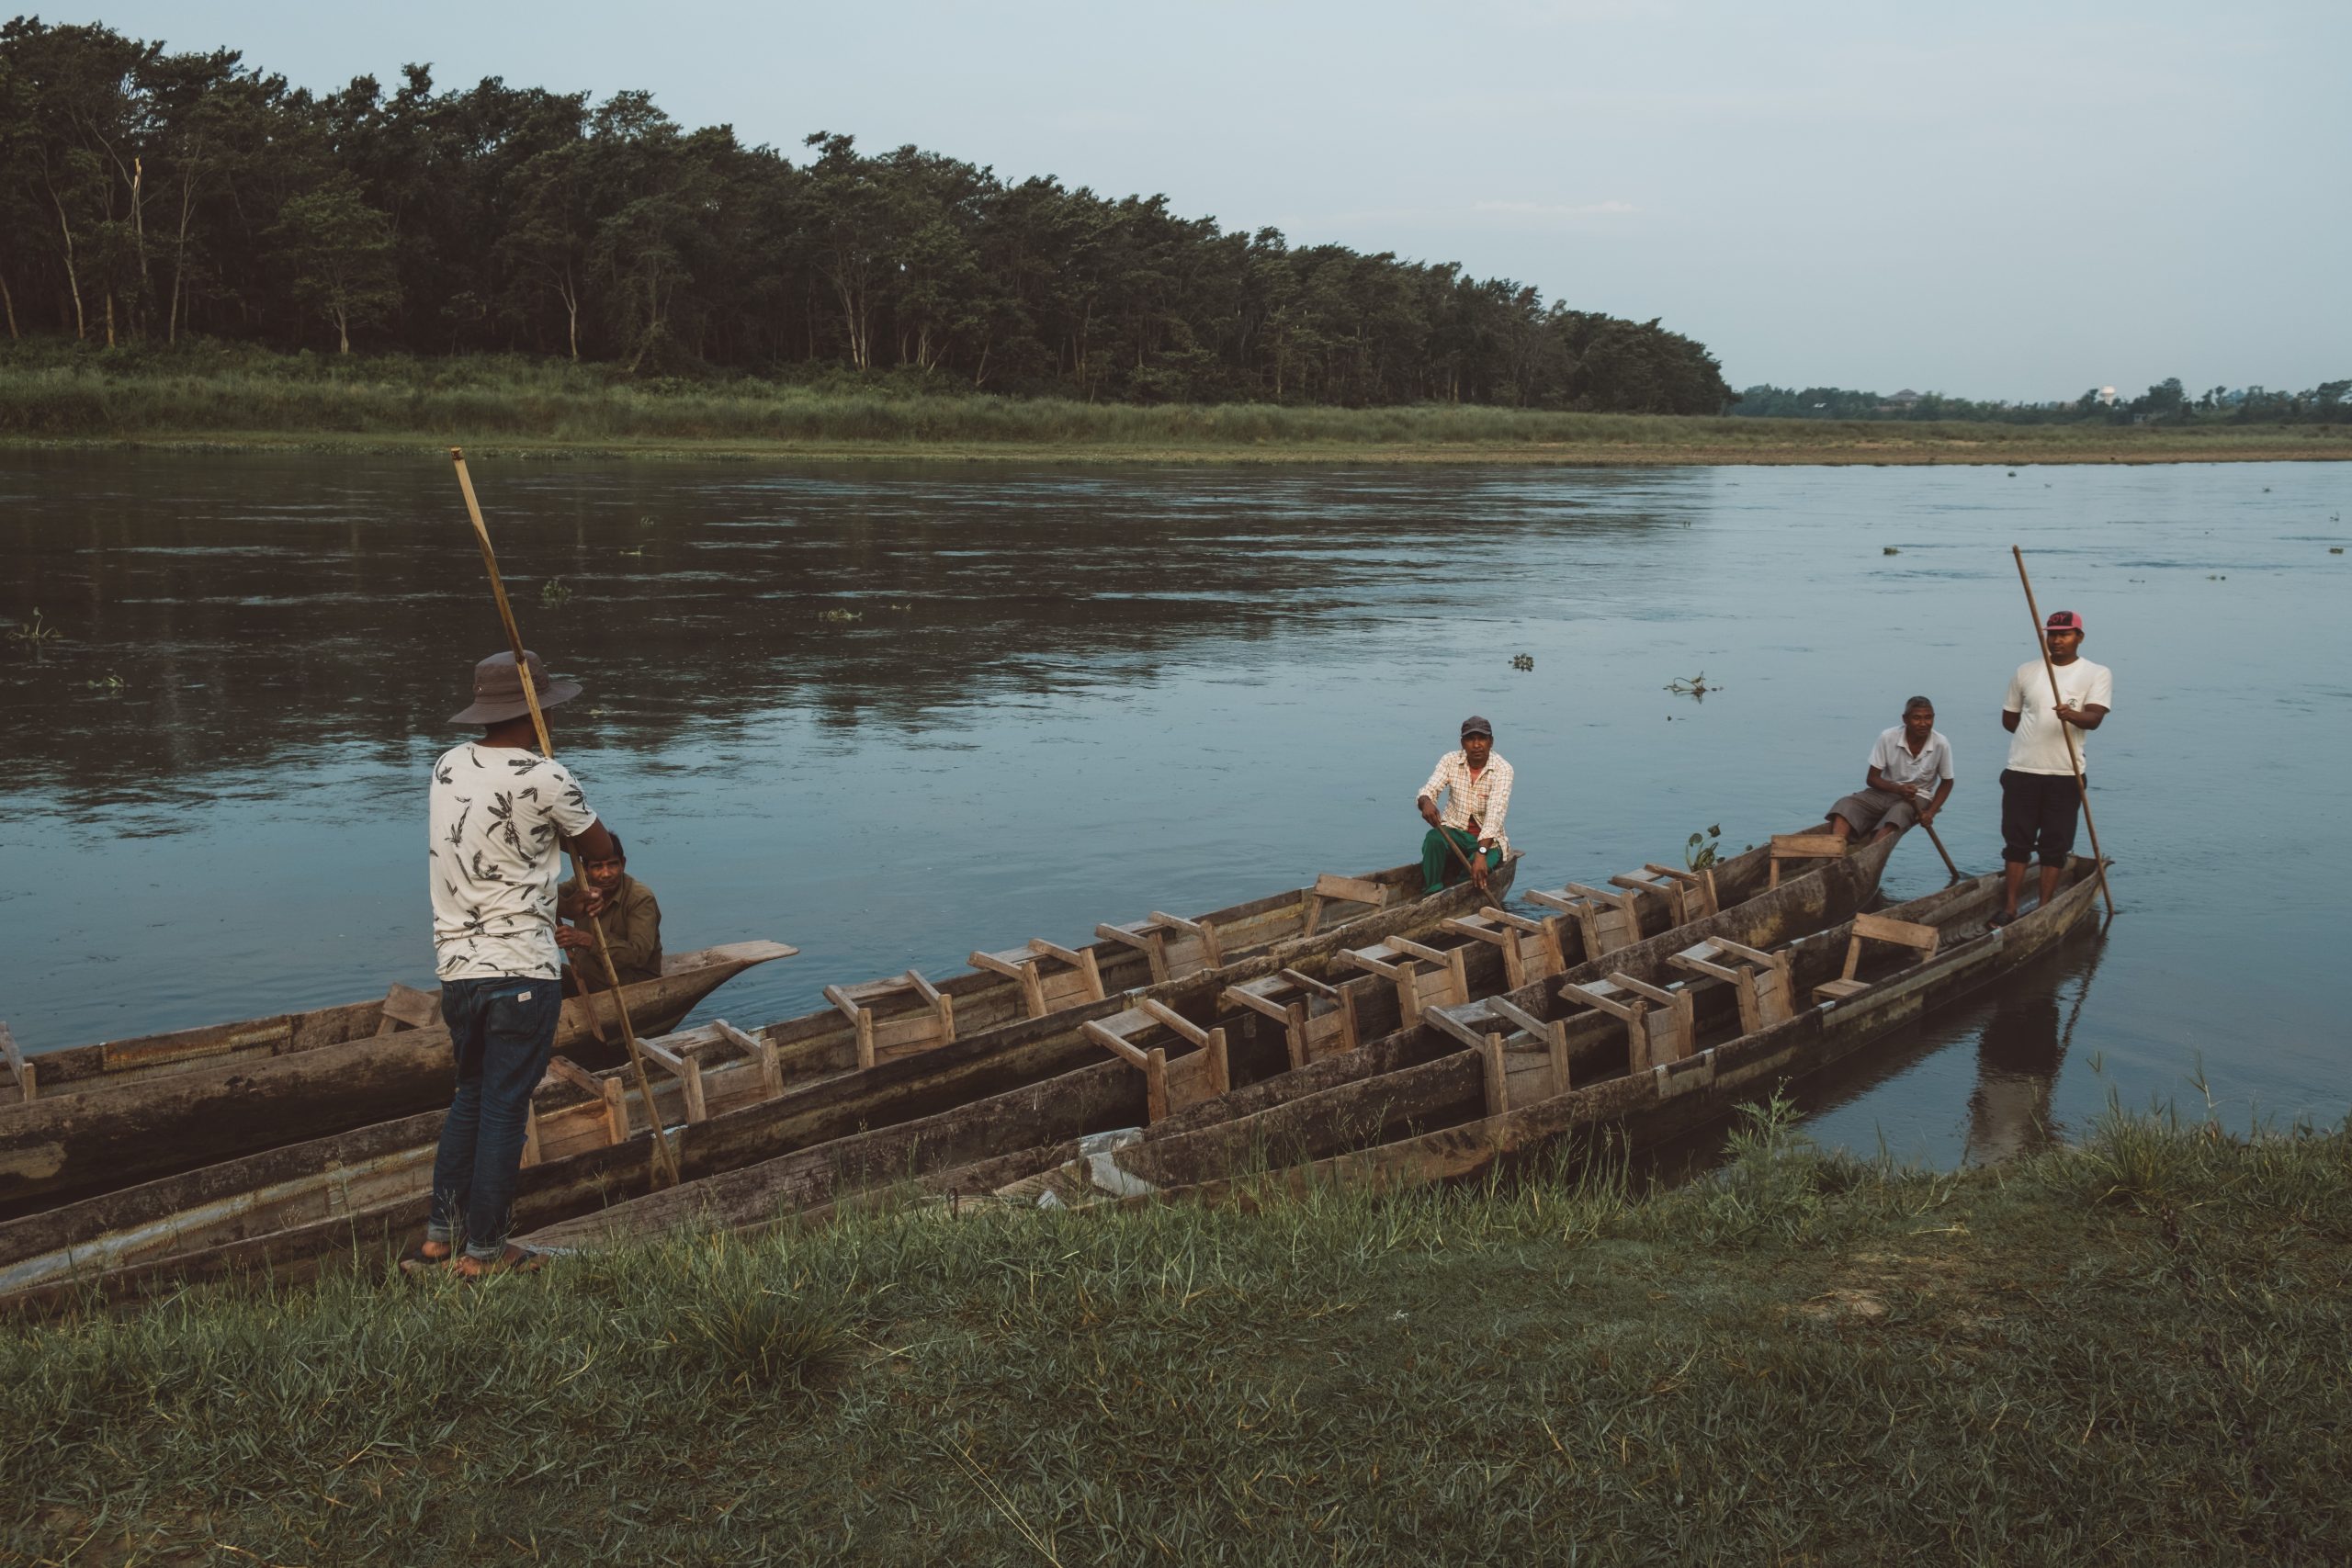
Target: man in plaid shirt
1476, 784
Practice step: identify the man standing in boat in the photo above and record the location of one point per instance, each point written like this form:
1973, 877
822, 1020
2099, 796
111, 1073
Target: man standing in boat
1475, 786
2038, 797
501, 814
1908, 779
632, 922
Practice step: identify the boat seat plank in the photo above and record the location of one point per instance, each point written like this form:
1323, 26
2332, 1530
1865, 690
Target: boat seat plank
405, 1006
1876, 928
1804, 846
1078, 981
932, 1022
22, 1075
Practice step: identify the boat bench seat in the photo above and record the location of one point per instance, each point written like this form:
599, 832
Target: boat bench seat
405, 1006
1176, 947
1524, 1058
1330, 889
1761, 980
1424, 977
1804, 846
1687, 895
1660, 1024
1608, 918
1531, 948
716, 1066
1318, 1019
1169, 1085
1076, 978
881, 1037
1876, 928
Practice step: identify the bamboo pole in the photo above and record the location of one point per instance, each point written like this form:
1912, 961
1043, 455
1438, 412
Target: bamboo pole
665, 1162
2073, 758
1948, 866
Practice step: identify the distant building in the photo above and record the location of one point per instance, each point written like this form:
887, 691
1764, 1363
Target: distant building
2107, 396
1903, 399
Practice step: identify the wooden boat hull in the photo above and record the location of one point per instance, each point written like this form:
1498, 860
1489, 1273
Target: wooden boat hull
345, 1183
1030, 1129
112, 1134
1428, 1122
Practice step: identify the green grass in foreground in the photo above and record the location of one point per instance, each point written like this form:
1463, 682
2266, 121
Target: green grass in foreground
211, 396
2132, 1351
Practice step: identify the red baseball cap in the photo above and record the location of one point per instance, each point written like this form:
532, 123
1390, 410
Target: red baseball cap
2063, 621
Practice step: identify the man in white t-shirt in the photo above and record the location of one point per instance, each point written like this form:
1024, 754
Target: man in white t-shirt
2038, 797
1908, 779
502, 816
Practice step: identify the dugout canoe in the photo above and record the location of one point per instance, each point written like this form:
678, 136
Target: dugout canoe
974, 1148
104, 1116
884, 1051
237, 1089
1496, 1099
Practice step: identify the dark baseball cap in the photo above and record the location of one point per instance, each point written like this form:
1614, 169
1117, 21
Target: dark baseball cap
2063, 621
1473, 724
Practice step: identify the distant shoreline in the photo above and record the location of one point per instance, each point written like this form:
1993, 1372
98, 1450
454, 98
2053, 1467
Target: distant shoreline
510, 407
1565, 454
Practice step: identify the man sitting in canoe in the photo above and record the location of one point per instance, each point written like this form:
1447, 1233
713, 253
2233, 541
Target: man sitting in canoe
501, 814
1476, 784
632, 922
1908, 780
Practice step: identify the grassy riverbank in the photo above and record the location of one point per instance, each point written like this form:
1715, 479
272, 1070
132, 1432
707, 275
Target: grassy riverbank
208, 399
2132, 1351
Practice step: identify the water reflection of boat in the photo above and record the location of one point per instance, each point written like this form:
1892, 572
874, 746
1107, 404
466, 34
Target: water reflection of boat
834, 1127
2017, 1057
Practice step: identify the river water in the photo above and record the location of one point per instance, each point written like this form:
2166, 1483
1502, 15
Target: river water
891, 712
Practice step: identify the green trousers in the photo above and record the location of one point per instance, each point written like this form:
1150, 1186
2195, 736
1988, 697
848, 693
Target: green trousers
1440, 865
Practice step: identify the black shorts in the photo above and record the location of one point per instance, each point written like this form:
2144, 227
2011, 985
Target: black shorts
2038, 816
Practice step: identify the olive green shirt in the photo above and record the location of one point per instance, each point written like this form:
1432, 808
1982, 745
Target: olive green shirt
632, 930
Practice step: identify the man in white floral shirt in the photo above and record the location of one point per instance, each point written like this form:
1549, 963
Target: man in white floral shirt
502, 817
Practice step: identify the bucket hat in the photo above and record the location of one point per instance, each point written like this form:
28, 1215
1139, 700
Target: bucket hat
498, 692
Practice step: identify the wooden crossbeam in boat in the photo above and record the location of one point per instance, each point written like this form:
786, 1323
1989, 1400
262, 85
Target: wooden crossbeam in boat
1424, 977
405, 1006
1804, 846
1761, 981
1330, 889
1876, 928
1078, 981
1170, 1085
1689, 894
1176, 947
1659, 1023
1609, 917
1531, 948
22, 1075
1317, 1020
880, 1038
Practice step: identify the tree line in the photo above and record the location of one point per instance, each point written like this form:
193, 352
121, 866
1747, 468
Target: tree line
2166, 402
147, 196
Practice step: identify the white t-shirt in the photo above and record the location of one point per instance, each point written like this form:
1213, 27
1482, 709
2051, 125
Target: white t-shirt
496, 815
1892, 759
2038, 743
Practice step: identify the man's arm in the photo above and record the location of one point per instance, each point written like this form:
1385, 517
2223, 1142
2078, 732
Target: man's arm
1943, 793
2088, 717
1884, 785
2010, 717
635, 936
1426, 802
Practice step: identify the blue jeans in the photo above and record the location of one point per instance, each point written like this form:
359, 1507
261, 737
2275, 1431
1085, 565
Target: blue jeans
501, 1031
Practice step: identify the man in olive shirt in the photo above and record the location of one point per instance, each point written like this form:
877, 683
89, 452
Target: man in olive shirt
632, 928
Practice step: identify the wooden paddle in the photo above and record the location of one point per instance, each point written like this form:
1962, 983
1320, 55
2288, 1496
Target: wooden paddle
2073, 758
665, 1162
1930, 827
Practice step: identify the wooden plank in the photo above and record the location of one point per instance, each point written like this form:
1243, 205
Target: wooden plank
924, 988
23, 1073
563, 1069
1469, 1025
1192, 1034
1809, 846
1351, 889
1257, 1002
1011, 966
1376, 961
1625, 982
840, 998
1518, 1017
1310, 985
1412, 949
1098, 1031
1878, 928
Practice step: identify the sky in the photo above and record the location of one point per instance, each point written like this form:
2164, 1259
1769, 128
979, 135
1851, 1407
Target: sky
1988, 199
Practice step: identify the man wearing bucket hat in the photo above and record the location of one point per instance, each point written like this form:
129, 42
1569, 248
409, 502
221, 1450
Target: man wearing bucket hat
1476, 784
2039, 798
501, 814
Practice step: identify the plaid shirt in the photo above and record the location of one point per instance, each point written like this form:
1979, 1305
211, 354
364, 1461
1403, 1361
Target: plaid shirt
1484, 800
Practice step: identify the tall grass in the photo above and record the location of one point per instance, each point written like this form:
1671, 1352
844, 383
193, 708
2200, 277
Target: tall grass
1804, 1359
242, 394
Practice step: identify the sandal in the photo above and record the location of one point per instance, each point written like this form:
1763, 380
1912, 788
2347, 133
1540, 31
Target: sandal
2006, 918
416, 1260
516, 1260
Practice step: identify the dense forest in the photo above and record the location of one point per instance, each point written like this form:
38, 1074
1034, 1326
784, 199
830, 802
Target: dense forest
147, 196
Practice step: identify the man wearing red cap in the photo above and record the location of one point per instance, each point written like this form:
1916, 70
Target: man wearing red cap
2039, 799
